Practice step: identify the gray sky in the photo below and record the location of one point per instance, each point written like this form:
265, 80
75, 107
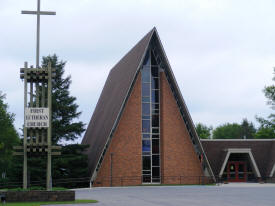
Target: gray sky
221, 52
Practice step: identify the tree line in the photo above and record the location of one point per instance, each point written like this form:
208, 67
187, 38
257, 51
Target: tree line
245, 130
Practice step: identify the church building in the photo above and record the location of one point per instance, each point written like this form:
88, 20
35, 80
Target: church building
141, 131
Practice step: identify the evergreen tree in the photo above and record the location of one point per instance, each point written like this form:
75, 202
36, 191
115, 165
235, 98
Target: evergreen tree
248, 130
73, 162
64, 108
71, 170
8, 137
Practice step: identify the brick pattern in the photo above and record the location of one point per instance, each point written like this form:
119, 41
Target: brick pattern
126, 146
178, 157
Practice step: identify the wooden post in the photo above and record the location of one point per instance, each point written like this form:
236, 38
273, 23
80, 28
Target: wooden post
25, 129
49, 166
31, 129
43, 134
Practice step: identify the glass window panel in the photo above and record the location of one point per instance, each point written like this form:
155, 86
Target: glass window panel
155, 120
145, 75
155, 71
145, 99
155, 111
156, 180
241, 168
145, 117
146, 162
153, 59
155, 96
232, 171
155, 83
146, 109
146, 136
146, 145
155, 136
155, 160
155, 146
145, 89
146, 126
147, 59
155, 106
241, 171
155, 172
155, 130
146, 178
146, 172
146, 153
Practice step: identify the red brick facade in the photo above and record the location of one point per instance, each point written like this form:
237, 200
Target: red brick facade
179, 163
125, 146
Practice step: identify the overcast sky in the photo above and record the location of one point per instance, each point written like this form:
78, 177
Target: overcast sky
221, 52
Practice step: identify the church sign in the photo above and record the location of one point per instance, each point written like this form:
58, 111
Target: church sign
36, 117
38, 109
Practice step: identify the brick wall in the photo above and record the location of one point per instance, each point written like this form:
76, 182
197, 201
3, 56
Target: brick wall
178, 157
125, 146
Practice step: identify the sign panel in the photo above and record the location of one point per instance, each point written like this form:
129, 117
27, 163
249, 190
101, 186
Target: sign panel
36, 117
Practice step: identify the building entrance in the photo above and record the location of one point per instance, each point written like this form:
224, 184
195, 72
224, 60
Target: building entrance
236, 171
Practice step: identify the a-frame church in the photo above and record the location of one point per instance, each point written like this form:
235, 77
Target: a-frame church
141, 131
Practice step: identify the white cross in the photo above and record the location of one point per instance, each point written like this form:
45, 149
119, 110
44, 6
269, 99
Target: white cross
38, 13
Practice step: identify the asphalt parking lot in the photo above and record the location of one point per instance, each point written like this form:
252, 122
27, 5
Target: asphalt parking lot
225, 195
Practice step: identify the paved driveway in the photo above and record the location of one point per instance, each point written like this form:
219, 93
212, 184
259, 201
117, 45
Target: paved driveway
226, 195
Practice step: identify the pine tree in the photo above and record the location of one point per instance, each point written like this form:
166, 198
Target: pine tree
64, 108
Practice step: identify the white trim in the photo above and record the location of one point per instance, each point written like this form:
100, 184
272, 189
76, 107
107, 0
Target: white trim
237, 140
240, 150
272, 171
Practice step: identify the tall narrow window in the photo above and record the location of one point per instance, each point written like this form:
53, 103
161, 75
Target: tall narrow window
150, 120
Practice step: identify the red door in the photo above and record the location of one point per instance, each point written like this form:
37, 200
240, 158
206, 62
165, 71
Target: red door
236, 171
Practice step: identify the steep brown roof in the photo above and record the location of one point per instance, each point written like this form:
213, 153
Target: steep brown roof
111, 100
262, 150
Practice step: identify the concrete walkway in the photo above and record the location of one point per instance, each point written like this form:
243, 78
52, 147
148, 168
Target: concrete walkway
240, 194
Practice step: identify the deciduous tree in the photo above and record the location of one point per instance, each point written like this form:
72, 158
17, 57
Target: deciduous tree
267, 126
203, 131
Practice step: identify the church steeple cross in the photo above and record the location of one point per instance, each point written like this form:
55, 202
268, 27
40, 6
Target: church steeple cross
38, 13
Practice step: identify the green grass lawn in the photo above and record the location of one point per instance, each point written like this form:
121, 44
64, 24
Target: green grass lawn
47, 203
